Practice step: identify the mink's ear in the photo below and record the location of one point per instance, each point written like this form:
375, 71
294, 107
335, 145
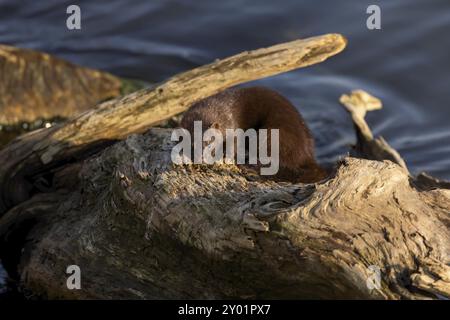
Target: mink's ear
215, 125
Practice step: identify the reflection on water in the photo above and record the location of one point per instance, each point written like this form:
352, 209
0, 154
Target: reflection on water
405, 63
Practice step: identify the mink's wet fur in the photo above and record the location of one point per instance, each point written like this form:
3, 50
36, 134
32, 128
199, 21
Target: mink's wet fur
262, 108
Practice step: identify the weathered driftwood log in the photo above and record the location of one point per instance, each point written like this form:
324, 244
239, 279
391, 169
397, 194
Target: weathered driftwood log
38, 90
358, 103
115, 119
140, 227
35, 85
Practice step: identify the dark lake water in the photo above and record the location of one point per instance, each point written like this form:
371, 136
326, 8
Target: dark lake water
406, 63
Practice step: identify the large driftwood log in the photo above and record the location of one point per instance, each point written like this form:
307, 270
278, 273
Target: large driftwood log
116, 119
140, 227
358, 103
38, 90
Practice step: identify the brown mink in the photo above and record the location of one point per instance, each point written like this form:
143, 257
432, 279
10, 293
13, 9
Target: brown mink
262, 108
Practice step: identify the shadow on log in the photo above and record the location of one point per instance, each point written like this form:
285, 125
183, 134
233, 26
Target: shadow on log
140, 227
